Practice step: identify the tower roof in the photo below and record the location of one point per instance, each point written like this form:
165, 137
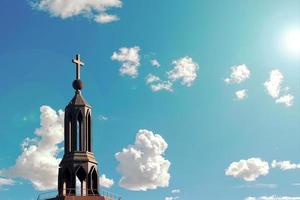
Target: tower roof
78, 100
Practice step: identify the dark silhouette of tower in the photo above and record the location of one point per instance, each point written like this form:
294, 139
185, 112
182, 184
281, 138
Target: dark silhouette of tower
78, 177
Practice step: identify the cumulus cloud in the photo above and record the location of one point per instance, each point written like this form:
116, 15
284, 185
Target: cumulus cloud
39, 155
150, 78
105, 182
156, 84
249, 170
105, 18
273, 85
142, 165
130, 60
93, 9
273, 198
162, 85
284, 165
6, 182
241, 94
288, 100
274, 88
239, 73
155, 63
185, 69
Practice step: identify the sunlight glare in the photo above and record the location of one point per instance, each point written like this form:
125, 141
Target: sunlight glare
291, 41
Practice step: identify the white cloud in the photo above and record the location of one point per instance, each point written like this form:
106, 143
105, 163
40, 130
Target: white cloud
150, 78
155, 63
93, 9
284, 165
171, 198
105, 18
6, 182
273, 87
103, 118
249, 170
142, 165
156, 84
272, 198
175, 191
39, 155
105, 182
185, 69
130, 59
162, 85
241, 94
239, 73
288, 100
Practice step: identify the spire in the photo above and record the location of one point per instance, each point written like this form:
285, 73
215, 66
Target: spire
78, 171
77, 83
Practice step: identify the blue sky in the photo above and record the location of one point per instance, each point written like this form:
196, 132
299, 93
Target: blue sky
206, 126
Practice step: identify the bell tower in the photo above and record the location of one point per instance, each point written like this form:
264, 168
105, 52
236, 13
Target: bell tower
78, 172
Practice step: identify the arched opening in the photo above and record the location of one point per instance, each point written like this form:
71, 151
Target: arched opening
67, 183
89, 181
89, 134
78, 135
95, 182
80, 187
79, 132
78, 190
69, 132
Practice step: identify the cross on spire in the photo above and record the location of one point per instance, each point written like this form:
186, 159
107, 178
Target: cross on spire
78, 63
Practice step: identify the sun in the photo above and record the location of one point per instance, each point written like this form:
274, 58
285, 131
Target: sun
291, 41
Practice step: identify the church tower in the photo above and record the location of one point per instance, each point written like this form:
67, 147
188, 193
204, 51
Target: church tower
78, 172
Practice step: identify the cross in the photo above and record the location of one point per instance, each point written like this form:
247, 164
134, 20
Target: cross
78, 65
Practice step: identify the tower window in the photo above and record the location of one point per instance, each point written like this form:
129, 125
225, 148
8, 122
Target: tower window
78, 133
78, 136
89, 135
69, 142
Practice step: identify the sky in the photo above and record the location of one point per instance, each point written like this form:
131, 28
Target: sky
191, 99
